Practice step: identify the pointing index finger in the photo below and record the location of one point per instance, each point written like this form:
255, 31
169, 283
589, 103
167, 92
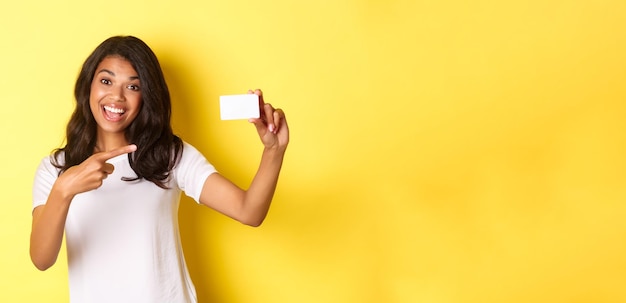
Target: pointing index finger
116, 152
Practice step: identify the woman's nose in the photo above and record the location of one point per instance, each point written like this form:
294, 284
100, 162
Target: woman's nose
117, 93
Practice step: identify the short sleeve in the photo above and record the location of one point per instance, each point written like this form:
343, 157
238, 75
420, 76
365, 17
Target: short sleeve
191, 171
45, 176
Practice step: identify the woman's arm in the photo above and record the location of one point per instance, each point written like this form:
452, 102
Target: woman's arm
248, 207
47, 230
251, 206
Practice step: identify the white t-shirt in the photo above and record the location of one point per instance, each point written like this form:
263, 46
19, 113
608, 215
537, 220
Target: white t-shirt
122, 239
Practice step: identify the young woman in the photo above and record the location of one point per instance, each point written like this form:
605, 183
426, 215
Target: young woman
114, 188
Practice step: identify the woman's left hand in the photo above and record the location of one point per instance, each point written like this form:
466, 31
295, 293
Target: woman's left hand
271, 124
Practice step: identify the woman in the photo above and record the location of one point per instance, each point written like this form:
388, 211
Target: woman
114, 188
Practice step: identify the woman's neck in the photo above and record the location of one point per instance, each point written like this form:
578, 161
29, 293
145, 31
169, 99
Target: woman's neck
107, 142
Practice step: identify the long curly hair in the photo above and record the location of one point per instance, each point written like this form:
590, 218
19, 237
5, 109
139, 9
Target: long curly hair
158, 149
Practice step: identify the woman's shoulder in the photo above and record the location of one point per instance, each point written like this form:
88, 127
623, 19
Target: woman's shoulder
52, 162
189, 147
57, 157
191, 155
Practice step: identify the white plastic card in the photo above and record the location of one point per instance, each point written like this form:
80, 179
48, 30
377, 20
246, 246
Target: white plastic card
234, 107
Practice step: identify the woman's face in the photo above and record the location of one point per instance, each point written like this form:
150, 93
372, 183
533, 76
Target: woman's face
115, 97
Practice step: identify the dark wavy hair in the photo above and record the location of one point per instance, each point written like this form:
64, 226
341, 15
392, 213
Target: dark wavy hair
158, 149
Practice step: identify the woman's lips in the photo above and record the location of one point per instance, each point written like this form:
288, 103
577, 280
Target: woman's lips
112, 113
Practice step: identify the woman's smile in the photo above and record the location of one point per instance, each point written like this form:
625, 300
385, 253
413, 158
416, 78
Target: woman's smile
113, 113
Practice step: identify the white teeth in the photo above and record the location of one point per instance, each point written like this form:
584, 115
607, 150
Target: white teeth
114, 110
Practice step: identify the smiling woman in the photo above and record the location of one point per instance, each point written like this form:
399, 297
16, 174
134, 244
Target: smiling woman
115, 100
118, 212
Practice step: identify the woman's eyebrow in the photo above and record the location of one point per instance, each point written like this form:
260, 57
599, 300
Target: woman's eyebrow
104, 70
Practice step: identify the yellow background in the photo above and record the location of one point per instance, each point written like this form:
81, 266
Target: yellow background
442, 151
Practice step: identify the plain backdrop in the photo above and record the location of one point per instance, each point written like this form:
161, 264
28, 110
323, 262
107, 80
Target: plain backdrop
442, 151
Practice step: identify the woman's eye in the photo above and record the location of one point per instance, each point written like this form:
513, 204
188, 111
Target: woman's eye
105, 81
133, 87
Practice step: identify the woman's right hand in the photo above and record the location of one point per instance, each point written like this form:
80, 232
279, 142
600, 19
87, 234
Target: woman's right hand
90, 174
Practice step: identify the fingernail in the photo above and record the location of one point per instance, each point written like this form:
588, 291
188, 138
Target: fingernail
271, 127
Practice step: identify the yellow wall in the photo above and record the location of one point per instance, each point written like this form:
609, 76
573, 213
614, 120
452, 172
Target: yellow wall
442, 151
